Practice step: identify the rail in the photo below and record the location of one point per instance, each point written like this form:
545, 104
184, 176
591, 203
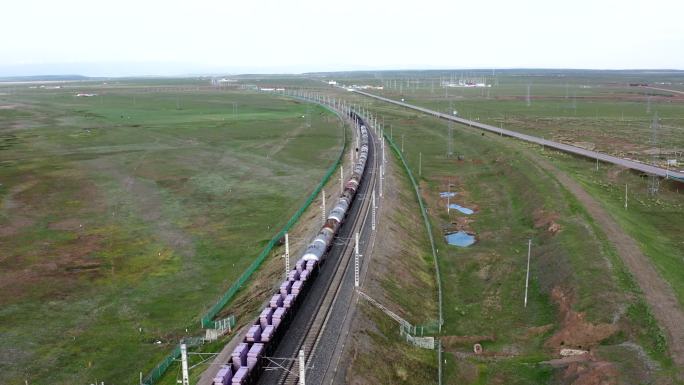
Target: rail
207, 321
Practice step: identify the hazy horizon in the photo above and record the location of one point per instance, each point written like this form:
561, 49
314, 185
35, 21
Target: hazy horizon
174, 38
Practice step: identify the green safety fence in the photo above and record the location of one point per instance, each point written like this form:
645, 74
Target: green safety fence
161, 368
427, 224
207, 319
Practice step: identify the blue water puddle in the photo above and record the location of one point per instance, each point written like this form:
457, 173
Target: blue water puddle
462, 209
446, 194
460, 238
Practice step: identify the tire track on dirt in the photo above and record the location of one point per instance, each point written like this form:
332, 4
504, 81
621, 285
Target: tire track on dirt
657, 292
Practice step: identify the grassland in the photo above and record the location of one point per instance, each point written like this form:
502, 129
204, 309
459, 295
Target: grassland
126, 214
575, 270
600, 111
484, 284
593, 110
401, 276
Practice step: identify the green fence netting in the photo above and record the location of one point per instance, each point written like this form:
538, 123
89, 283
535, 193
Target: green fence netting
207, 319
427, 224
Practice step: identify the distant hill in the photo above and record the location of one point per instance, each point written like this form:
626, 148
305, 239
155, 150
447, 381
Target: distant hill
45, 78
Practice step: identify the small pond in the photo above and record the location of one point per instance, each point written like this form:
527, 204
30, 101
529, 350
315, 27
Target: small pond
460, 238
462, 209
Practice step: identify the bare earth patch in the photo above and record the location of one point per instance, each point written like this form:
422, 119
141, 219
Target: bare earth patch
547, 220
575, 331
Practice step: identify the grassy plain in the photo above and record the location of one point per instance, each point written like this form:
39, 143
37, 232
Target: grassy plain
484, 284
125, 215
516, 199
596, 110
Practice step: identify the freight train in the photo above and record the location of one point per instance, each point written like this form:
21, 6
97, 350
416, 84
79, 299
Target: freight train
246, 362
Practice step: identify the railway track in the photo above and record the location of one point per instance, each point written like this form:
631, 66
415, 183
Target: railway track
305, 331
310, 341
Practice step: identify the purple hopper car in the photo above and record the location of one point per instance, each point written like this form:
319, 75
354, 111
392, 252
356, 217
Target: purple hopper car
254, 333
224, 375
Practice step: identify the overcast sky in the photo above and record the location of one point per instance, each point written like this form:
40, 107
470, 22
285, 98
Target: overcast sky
150, 37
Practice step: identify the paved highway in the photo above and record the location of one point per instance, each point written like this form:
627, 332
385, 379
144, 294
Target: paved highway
634, 165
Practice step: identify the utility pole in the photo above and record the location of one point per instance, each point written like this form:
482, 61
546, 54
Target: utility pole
341, 179
439, 358
382, 176
654, 181
302, 368
323, 205
420, 164
287, 254
448, 195
184, 364
356, 259
402, 143
625, 196
450, 143
527, 276
373, 211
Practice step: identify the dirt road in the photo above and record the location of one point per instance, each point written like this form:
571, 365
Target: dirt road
657, 292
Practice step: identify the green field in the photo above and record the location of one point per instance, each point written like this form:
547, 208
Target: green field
125, 215
596, 110
607, 115
573, 268
484, 284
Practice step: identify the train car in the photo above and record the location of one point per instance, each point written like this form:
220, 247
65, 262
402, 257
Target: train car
247, 360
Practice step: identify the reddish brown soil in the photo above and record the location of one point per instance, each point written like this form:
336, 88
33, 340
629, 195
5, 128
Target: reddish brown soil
56, 276
575, 331
591, 373
657, 292
547, 220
